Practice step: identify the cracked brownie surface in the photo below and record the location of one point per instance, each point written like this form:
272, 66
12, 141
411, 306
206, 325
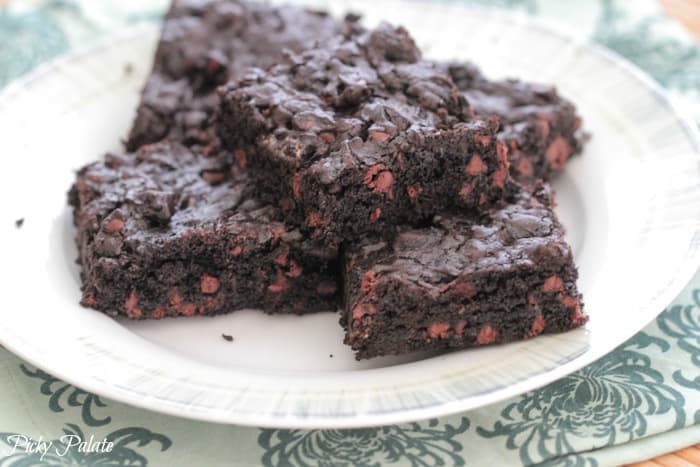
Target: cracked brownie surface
355, 136
205, 43
167, 232
541, 129
504, 276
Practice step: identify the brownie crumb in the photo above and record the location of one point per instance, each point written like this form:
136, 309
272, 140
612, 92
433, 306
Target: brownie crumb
227, 337
19, 222
128, 68
331, 355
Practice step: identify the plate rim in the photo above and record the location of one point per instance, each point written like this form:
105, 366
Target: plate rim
92, 384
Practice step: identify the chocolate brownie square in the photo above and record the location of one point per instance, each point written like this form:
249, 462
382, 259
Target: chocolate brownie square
541, 128
361, 134
205, 43
167, 232
466, 281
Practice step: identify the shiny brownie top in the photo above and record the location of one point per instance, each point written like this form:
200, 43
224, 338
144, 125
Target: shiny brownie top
525, 233
203, 44
136, 203
350, 97
512, 100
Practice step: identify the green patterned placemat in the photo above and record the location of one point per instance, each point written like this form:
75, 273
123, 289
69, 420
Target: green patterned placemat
639, 401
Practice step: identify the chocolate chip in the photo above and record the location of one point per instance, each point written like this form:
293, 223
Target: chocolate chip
209, 284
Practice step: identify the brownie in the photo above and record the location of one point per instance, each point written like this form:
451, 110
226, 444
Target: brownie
541, 128
466, 281
205, 43
167, 232
361, 134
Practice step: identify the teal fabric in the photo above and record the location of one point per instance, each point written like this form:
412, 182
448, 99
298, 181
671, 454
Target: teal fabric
639, 401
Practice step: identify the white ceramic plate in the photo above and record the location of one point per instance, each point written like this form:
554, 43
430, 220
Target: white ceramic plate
631, 204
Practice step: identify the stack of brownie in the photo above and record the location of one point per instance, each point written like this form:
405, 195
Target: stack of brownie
285, 160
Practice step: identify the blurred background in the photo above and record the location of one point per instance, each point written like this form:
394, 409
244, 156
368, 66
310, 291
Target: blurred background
660, 36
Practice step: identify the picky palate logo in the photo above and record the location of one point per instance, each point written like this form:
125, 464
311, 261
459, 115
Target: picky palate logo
61, 447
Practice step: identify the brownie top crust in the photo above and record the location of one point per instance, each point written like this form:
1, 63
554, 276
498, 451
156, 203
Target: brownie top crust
519, 234
205, 43
139, 202
348, 97
511, 99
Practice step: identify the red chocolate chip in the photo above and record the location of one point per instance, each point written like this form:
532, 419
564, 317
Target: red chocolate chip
476, 165
487, 335
278, 231
113, 226
558, 152
466, 190
524, 167
327, 136
315, 220
384, 181
379, 136
537, 326
553, 284
376, 214
158, 313
379, 179
209, 284
281, 259
568, 300
372, 173
175, 299
459, 328
187, 309
369, 282
363, 309
131, 305
437, 329
577, 316
414, 190
279, 285
236, 250
294, 269
88, 300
